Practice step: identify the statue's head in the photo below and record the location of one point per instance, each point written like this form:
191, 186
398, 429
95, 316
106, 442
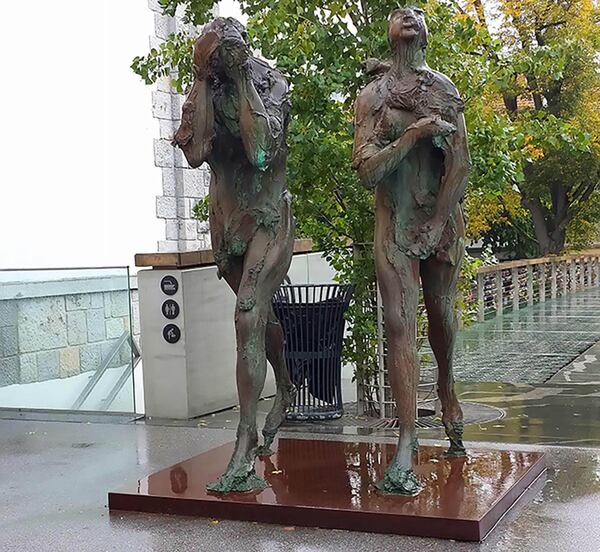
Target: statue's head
226, 28
223, 41
406, 27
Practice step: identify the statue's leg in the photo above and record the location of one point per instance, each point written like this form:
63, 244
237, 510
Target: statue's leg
285, 389
265, 265
439, 289
398, 277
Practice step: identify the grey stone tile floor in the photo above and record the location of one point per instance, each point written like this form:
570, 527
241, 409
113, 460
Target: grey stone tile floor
55, 475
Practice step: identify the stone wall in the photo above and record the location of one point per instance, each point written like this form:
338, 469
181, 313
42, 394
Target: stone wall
48, 334
182, 186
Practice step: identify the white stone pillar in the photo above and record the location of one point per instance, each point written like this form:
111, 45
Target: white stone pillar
182, 186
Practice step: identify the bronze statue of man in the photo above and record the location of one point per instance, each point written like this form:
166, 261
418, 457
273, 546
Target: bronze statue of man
235, 118
410, 146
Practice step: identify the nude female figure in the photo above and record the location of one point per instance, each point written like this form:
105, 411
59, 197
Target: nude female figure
235, 118
410, 146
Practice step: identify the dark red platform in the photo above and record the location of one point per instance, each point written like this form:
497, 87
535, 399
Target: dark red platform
329, 484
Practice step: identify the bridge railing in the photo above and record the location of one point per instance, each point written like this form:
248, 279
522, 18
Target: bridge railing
515, 284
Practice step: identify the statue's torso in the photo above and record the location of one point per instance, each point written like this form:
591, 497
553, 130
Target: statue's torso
243, 197
410, 193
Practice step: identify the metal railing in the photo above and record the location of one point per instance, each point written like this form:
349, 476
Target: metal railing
498, 289
515, 284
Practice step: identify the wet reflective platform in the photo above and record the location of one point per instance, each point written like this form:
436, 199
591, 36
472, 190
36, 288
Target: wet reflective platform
330, 484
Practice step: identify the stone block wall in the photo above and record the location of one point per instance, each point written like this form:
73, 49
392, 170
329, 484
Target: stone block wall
45, 337
182, 186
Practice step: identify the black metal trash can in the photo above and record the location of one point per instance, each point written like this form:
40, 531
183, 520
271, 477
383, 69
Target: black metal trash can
312, 318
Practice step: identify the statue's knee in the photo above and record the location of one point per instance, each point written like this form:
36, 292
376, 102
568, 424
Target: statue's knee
396, 326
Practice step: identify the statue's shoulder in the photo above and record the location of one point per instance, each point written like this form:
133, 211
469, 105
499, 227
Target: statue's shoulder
268, 74
443, 82
445, 95
372, 96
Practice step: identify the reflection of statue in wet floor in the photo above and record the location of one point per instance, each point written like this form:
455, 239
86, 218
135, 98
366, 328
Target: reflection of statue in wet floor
179, 480
235, 118
296, 480
410, 145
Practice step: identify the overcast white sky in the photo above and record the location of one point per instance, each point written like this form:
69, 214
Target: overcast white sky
78, 181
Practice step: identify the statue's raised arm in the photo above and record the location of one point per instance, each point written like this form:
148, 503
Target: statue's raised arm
260, 121
235, 118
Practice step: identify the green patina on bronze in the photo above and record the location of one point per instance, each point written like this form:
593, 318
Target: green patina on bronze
399, 481
454, 431
410, 146
237, 483
235, 118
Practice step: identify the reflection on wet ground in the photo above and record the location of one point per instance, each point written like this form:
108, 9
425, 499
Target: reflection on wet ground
54, 498
55, 475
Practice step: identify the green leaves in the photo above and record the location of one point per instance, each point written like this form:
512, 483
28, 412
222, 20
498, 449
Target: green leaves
173, 58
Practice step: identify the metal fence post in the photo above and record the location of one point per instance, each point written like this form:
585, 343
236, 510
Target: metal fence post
480, 297
499, 292
515, 291
553, 283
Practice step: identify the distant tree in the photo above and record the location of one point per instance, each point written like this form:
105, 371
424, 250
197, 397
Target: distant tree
550, 84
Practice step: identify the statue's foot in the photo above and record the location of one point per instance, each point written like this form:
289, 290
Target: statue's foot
283, 400
454, 431
399, 481
237, 481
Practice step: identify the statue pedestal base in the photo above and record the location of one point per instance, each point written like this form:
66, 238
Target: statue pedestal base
330, 484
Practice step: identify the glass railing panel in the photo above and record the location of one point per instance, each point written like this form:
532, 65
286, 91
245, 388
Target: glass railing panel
66, 340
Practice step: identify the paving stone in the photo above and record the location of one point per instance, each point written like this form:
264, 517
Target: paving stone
9, 345
90, 357
114, 328
28, 368
95, 325
9, 371
119, 305
42, 324
8, 313
97, 300
78, 302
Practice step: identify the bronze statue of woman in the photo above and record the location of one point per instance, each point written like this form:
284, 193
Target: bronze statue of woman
410, 146
235, 118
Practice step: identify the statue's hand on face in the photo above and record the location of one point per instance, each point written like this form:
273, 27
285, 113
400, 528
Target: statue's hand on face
204, 48
234, 55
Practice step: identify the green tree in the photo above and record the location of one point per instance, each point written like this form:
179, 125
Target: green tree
531, 111
549, 87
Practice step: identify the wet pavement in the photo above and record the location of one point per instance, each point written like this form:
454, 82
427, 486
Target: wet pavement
532, 344
55, 477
